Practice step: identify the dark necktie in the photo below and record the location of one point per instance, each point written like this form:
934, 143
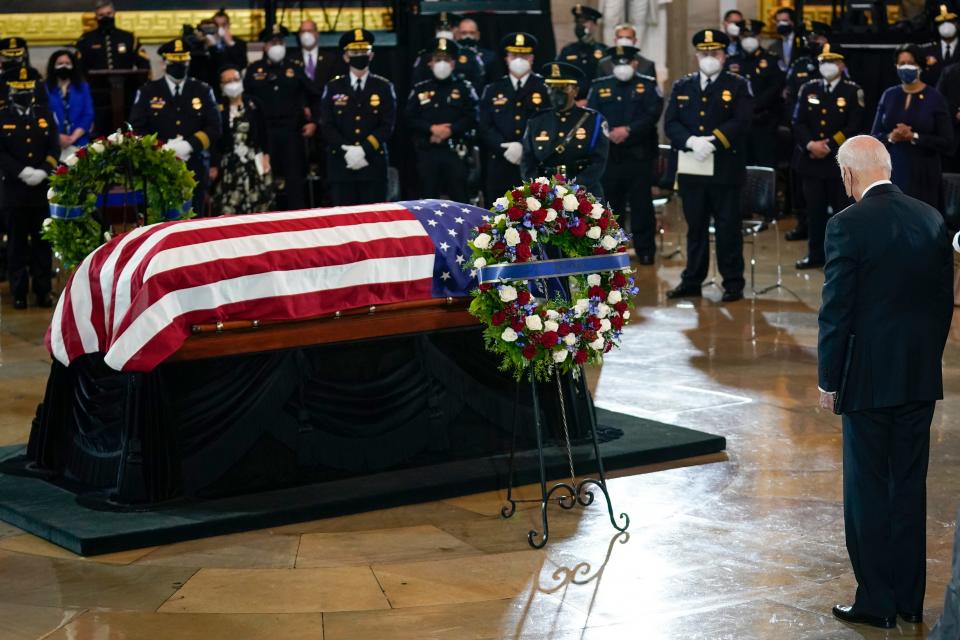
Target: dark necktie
311, 66
176, 93
356, 85
949, 51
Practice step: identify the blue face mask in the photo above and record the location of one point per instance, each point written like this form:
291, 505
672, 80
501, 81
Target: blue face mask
908, 73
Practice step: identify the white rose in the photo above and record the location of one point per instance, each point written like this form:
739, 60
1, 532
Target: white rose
533, 204
614, 297
570, 339
512, 236
594, 233
508, 293
626, 314
597, 345
596, 211
550, 325
605, 325
97, 147
107, 236
553, 315
47, 222
499, 218
603, 310
551, 215
608, 243
116, 137
482, 241
534, 323
51, 194
479, 263
593, 280
509, 335
560, 356
570, 202
501, 203
71, 160
543, 180
561, 190
581, 306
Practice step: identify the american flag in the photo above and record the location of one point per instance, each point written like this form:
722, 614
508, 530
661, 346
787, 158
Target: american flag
135, 298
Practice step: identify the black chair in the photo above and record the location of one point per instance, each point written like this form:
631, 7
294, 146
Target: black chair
758, 199
665, 179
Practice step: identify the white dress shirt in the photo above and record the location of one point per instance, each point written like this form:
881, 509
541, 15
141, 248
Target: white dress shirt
173, 84
519, 82
872, 185
363, 79
704, 78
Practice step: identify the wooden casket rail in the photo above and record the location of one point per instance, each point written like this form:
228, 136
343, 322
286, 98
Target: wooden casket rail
251, 336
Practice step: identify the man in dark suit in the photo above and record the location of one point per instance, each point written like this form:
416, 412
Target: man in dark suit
886, 311
790, 46
944, 51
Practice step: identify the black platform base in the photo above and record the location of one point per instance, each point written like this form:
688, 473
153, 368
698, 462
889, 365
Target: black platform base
54, 514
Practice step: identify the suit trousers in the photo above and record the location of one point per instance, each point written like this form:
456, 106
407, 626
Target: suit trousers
441, 172
29, 256
885, 454
702, 201
502, 176
820, 193
358, 192
630, 181
288, 162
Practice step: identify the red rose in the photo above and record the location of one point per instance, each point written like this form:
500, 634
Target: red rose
557, 204
561, 224
617, 322
539, 216
499, 247
585, 206
517, 324
599, 251
485, 287
81, 152
549, 338
128, 134
607, 347
563, 330
597, 292
525, 236
517, 194
589, 335
484, 228
530, 351
498, 318
62, 170
594, 323
603, 223
577, 329
621, 250
581, 356
579, 230
620, 306
515, 213
523, 297
523, 252
559, 177
618, 280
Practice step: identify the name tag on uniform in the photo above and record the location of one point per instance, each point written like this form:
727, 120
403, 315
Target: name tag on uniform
572, 56
9, 126
425, 97
813, 99
683, 98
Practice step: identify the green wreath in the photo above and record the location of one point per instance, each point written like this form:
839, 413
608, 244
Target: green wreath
78, 190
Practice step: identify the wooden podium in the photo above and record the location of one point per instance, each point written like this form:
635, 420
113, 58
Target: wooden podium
113, 91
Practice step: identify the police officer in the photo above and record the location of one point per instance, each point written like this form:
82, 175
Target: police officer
567, 139
14, 53
469, 67
766, 79
709, 114
586, 52
468, 37
632, 104
442, 112
28, 152
944, 52
182, 112
505, 107
357, 116
828, 111
290, 104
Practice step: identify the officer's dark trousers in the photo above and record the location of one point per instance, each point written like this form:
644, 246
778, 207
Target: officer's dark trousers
701, 202
819, 194
502, 176
627, 180
441, 172
358, 192
288, 162
885, 454
29, 256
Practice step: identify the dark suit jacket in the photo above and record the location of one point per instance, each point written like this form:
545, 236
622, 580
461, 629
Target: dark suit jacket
889, 281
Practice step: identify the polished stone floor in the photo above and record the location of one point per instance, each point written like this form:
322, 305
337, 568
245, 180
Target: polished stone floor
744, 545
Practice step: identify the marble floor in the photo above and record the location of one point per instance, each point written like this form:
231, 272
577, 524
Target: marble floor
743, 545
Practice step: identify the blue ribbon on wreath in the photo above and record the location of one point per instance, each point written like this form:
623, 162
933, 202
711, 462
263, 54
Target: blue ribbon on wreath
60, 212
121, 198
176, 213
552, 268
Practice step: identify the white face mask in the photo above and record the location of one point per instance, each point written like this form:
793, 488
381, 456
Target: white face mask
947, 30
222, 31
829, 70
625, 42
519, 67
276, 52
307, 39
709, 65
442, 69
623, 72
750, 44
733, 29
233, 89
445, 34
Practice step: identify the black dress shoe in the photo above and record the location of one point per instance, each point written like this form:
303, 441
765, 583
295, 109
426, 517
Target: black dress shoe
646, 259
912, 618
44, 301
807, 263
19, 303
795, 235
847, 614
683, 291
732, 296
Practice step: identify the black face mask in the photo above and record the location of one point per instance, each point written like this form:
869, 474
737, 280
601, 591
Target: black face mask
469, 43
106, 22
24, 100
11, 63
580, 31
558, 99
177, 70
360, 62
784, 29
63, 73
815, 48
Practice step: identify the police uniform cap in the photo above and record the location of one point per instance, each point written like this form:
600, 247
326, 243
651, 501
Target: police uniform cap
710, 40
754, 27
276, 32
622, 54
13, 47
356, 39
586, 13
444, 46
560, 73
945, 15
22, 78
447, 19
519, 42
819, 28
174, 51
830, 53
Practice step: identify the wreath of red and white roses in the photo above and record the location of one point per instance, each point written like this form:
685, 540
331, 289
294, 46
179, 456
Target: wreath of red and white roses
550, 334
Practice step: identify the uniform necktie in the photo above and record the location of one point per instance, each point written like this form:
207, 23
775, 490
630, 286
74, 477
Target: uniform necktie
177, 92
356, 85
949, 50
311, 66
709, 82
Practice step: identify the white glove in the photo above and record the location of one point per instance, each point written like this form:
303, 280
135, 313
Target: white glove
180, 147
32, 177
354, 156
701, 146
513, 152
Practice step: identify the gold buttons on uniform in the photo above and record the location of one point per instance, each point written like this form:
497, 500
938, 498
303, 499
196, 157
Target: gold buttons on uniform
703, 113
516, 117
357, 118
356, 130
701, 127
29, 140
823, 122
30, 155
703, 99
518, 132
178, 122
823, 111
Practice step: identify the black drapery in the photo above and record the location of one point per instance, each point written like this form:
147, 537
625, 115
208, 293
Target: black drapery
237, 424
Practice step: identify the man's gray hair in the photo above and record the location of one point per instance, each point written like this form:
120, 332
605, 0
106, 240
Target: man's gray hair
864, 153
